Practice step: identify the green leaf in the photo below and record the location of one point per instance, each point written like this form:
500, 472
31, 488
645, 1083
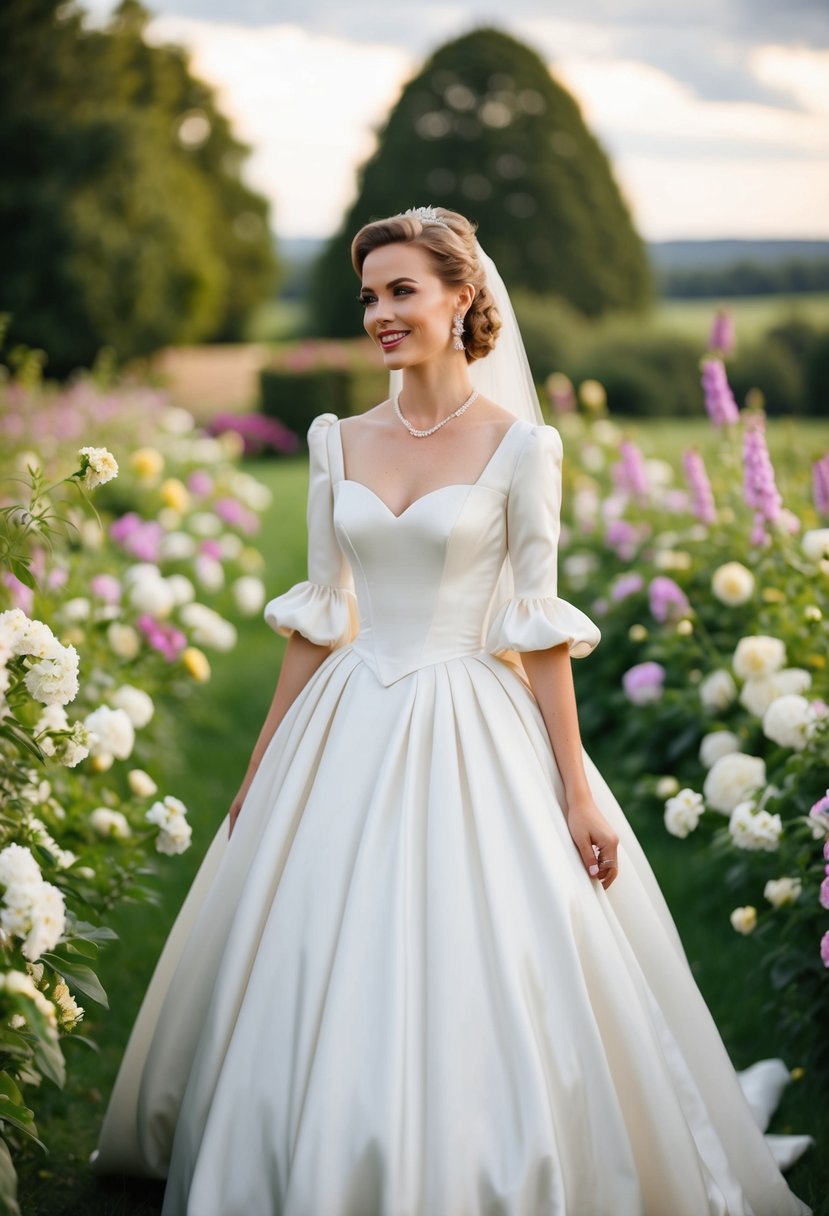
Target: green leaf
49, 1059
21, 571
79, 945
81, 977
8, 1182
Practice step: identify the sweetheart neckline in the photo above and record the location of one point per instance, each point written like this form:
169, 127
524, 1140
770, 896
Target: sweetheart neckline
456, 485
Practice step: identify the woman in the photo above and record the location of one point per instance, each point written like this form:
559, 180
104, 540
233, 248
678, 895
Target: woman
427, 969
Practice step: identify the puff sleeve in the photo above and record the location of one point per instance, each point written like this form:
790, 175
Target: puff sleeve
535, 618
323, 607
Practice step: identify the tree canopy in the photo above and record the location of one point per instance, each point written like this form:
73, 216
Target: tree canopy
486, 130
124, 221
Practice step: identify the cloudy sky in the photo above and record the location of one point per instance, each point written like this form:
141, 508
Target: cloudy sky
715, 113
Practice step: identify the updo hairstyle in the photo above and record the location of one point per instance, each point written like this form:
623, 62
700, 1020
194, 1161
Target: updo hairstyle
453, 255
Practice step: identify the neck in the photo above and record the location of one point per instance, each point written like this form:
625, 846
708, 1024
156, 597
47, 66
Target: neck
431, 392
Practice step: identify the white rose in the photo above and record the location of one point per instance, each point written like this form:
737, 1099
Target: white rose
13, 626
54, 680
18, 866
123, 640
112, 732
209, 572
682, 812
183, 590
716, 744
717, 690
254, 494
109, 823
758, 655
207, 627
744, 919
98, 466
788, 721
141, 783
76, 609
136, 703
815, 544
666, 786
176, 546
732, 584
151, 594
751, 829
757, 694
731, 778
782, 891
249, 594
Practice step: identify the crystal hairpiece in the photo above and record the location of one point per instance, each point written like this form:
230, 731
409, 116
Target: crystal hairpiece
426, 215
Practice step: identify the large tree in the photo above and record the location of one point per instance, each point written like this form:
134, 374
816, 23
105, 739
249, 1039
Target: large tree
123, 218
485, 129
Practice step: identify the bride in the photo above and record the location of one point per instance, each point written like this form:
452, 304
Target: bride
425, 968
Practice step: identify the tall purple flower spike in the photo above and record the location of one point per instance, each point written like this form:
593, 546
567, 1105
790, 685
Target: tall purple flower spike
820, 485
719, 399
759, 487
702, 495
721, 337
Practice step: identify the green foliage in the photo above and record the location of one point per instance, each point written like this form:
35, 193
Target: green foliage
296, 399
123, 218
484, 129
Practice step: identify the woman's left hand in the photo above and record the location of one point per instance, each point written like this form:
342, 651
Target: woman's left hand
589, 828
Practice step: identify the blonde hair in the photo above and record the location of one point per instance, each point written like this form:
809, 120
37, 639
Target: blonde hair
453, 254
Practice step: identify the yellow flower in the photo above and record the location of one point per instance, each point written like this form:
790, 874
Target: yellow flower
744, 919
592, 395
174, 494
147, 464
816, 660
637, 633
196, 664
797, 1073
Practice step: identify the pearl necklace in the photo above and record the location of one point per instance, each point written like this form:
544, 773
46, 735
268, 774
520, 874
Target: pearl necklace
421, 434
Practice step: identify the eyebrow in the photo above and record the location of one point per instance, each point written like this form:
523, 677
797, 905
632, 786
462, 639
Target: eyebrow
405, 279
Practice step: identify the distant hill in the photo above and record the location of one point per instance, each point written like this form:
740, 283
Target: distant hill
712, 262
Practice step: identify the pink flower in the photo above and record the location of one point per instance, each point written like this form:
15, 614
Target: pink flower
722, 332
106, 588
162, 636
820, 484
200, 483
212, 548
826, 850
824, 893
232, 512
703, 505
57, 578
643, 683
719, 399
820, 810
136, 536
824, 949
667, 599
625, 585
759, 487
22, 596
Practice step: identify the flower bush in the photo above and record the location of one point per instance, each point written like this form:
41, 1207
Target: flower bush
116, 582
718, 601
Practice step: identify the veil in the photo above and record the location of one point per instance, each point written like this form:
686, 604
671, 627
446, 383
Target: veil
504, 376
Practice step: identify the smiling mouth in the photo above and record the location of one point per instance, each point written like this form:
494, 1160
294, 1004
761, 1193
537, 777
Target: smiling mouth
387, 341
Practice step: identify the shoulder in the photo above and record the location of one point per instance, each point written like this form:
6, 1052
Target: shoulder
542, 444
320, 424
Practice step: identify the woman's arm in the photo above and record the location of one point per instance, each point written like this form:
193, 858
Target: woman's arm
302, 658
551, 678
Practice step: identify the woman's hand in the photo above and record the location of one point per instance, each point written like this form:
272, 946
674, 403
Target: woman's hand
588, 827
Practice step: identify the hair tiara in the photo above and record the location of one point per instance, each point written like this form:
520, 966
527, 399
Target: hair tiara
426, 215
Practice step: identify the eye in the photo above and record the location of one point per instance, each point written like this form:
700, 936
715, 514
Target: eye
365, 300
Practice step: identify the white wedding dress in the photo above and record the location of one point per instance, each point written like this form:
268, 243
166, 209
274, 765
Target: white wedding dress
396, 991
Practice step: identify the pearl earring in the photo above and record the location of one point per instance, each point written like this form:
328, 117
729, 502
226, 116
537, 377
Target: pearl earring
457, 330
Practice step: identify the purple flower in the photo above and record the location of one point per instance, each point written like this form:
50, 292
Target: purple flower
824, 949
232, 512
136, 536
722, 332
625, 585
22, 596
212, 548
820, 810
696, 475
666, 598
629, 473
643, 683
57, 578
824, 893
826, 850
820, 484
719, 399
162, 636
759, 487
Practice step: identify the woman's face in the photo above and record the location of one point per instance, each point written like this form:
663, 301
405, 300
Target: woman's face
407, 309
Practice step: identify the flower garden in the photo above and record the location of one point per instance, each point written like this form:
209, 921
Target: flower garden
132, 564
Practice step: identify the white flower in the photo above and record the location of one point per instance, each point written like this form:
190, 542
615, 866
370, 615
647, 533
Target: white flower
141, 783
151, 593
758, 655
18, 866
98, 466
666, 786
205, 523
815, 544
716, 744
782, 891
109, 823
750, 829
731, 778
32, 908
207, 627
70, 1011
744, 919
176, 546
789, 721
112, 733
682, 812
230, 546
757, 694
13, 626
171, 817
54, 680
717, 690
182, 589
136, 703
732, 584
249, 594
76, 609
209, 572
123, 640
254, 494
18, 983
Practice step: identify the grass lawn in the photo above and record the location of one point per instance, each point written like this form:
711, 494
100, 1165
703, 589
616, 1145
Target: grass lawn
205, 769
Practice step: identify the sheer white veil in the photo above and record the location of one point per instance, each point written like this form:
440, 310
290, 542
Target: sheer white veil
504, 376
